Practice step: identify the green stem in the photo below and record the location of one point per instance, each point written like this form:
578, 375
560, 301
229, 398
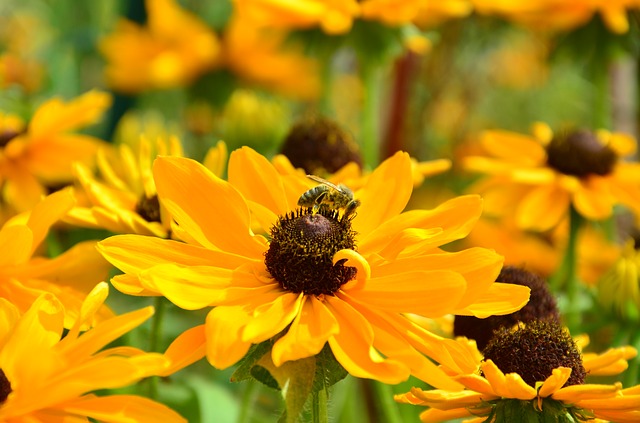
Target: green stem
572, 284
247, 401
602, 95
319, 407
386, 404
369, 131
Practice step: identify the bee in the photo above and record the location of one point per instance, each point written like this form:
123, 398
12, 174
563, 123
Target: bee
329, 196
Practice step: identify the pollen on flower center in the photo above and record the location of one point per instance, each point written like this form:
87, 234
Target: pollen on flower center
149, 208
5, 387
302, 248
534, 350
580, 154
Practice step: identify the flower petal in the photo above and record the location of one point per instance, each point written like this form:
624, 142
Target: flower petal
455, 217
513, 147
211, 210
577, 393
122, 408
224, 326
611, 362
542, 208
507, 386
498, 300
257, 179
426, 293
308, 333
186, 349
353, 346
555, 382
134, 253
271, 318
390, 184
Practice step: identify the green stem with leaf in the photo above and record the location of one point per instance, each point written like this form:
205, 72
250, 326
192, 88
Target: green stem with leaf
319, 406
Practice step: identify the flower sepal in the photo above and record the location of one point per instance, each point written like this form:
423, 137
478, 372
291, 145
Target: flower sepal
298, 380
508, 410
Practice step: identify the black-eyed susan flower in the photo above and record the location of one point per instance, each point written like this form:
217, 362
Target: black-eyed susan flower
535, 373
47, 377
321, 276
333, 16
25, 274
124, 199
171, 50
538, 178
619, 287
561, 14
265, 57
39, 155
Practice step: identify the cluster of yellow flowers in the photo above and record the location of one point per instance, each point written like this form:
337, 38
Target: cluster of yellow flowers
308, 268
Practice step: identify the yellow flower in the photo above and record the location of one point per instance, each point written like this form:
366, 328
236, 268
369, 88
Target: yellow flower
561, 14
263, 56
433, 12
352, 300
490, 392
172, 50
48, 377
619, 288
537, 178
24, 275
21, 71
333, 16
125, 199
42, 155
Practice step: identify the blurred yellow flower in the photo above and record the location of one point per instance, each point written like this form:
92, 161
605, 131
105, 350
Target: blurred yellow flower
47, 377
391, 12
433, 12
537, 178
352, 300
124, 198
491, 393
333, 16
172, 50
619, 288
560, 14
260, 56
41, 156
24, 275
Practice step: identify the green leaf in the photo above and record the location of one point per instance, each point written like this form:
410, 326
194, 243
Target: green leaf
295, 379
255, 353
328, 370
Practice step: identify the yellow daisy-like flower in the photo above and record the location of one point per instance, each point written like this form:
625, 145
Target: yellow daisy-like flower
307, 281
561, 14
537, 178
125, 199
24, 275
491, 393
42, 155
263, 56
47, 377
172, 50
333, 16
619, 288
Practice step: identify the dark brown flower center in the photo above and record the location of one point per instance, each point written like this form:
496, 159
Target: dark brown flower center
580, 154
6, 136
533, 351
541, 306
5, 387
302, 248
149, 208
319, 146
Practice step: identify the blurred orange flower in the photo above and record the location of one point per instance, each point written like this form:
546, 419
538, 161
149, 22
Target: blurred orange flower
41, 155
173, 49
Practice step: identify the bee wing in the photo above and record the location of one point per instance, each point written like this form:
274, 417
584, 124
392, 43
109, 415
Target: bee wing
325, 182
